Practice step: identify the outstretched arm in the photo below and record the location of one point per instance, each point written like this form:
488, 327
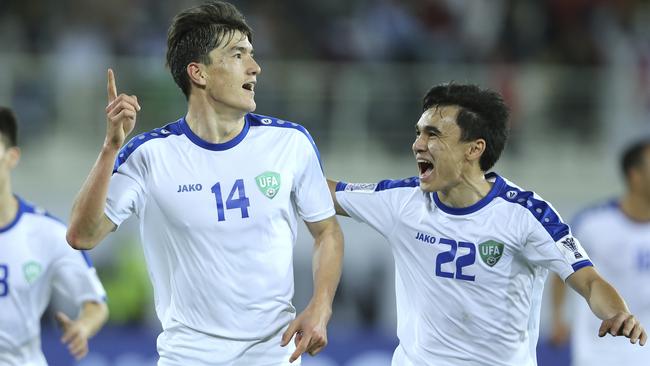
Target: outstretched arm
76, 333
607, 304
88, 223
311, 324
331, 184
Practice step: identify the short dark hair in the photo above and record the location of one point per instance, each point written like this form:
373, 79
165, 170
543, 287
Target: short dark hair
197, 31
482, 114
632, 156
8, 127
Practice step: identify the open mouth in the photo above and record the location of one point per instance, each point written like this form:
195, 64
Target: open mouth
249, 86
425, 167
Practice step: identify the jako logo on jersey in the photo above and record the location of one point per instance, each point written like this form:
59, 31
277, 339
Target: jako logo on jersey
511, 194
31, 270
570, 243
268, 183
430, 239
490, 251
189, 188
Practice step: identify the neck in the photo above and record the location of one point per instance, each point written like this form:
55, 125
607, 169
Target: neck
8, 205
636, 207
471, 189
212, 125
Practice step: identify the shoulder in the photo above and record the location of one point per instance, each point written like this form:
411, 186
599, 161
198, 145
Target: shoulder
598, 211
532, 207
37, 213
269, 123
39, 225
142, 141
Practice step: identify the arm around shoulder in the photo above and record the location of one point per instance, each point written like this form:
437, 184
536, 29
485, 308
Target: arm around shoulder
331, 184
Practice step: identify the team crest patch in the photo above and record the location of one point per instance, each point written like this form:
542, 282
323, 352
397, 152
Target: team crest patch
490, 251
31, 270
570, 244
268, 183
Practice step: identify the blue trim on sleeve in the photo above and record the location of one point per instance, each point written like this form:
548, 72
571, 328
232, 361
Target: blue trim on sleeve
260, 120
583, 263
397, 183
161, 132
87, 259
498, 185
340, 186
540, 209
212, 146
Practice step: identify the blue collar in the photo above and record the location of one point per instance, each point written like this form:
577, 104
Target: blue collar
22, 207
211, 146
498, 185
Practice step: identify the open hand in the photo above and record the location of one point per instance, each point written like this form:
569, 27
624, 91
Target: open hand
624, 324
75, 335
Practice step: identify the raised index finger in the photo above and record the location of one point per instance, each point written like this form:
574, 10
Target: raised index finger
110, 87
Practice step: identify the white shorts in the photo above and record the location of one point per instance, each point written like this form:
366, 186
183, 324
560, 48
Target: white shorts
182, 346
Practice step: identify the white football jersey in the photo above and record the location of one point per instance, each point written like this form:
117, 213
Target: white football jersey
620, 248
469, 280
36, 260
218, 221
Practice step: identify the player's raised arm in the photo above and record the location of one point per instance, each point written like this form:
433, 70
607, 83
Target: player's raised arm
607, 304
331, 184
88, 223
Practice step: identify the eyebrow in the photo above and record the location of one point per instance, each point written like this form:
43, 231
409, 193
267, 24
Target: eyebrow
242, 49
431, 130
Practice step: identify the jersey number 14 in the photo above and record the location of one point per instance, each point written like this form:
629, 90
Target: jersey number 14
241, 202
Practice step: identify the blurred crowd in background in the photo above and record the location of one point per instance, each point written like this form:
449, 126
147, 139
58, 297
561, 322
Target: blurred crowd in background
561, 33
576, 32
576, 74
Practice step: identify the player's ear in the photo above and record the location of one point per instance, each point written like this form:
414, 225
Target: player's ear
13, 156
196, 73
475, 149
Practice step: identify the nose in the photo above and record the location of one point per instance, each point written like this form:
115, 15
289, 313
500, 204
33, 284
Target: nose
419, 145
255, 68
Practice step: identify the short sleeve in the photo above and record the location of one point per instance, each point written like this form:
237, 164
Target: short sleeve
75, 279
376, 204
551, 244
312, 196
126, 194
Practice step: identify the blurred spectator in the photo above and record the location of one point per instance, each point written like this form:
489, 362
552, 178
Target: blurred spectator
616, 234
